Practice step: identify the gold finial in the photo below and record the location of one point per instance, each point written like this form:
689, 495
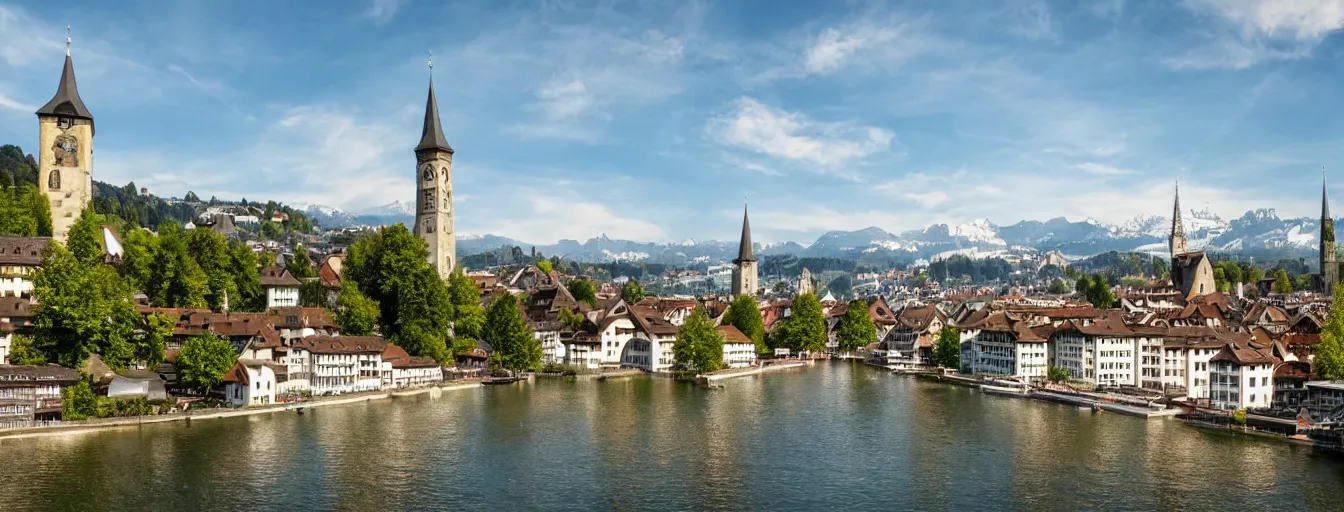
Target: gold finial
67, 40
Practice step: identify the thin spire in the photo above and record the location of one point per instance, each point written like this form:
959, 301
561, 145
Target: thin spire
431, 136
744, 250
67, 40
66, 101
1177, 228
431, 66
1325, 199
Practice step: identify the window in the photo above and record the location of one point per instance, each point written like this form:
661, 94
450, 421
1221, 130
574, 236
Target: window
64, 122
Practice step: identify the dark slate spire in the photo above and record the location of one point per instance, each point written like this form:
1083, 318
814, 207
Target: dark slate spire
66, 102
1325, 200
744, 250
1177, 229
431, 137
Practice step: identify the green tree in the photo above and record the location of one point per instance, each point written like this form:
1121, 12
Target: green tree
583, 290
312, 294
301, 266
391, 266
85, 239
1302, 282
1239, 416
137, 260
509, 336
1099, 293
468, 317
203, 361
210, 251
804, 328
1253, 274
699, 346
1058, 286
632, 292
1057, 374
1220, 280
244, 271
947, 350
178, 281
152, 338
356, 314
1083, 285
745, 315
855, 330
1329, 361
84, 309
271, 230
1282, 284
78, 401
22, 351
571, 320
545, 266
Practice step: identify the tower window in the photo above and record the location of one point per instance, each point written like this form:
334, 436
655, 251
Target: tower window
54, 179
64, 122
428, 203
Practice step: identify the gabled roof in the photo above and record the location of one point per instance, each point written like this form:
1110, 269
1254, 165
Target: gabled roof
343, 344
66, 102
22, 250
732, 335
652, 322
278, 276
431, 136
1242, 355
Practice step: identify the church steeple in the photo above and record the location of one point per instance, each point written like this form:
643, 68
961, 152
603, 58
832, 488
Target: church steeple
1329, 266
431, 136
1177, 240
66, 102
744, 251
1325, 198
744, 276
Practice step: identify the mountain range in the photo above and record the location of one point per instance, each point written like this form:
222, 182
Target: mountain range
1260, 233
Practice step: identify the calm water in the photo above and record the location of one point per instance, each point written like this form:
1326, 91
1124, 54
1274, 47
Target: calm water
836, 436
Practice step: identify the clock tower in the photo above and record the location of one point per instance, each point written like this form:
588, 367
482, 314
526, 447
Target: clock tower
434, 190
65, 152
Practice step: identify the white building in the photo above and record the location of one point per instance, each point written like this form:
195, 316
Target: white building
400, 370
650, 346
250, 382
1185, 358
341, 364
19, 259
1241, 378
282, 289
739, 351
615, 328
1007, 347
1106, 352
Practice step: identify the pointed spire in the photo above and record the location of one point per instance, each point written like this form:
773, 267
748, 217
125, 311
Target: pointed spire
744, 249
66, 102
1177, 228
1325, 199
431, 137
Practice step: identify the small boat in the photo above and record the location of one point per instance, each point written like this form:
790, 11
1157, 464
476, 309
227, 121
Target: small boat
496, 381
1014, 391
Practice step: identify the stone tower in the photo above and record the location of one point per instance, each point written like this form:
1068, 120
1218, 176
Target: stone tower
65, 152
434, 190
1177, 240
805, 283
1329, 268
744, 276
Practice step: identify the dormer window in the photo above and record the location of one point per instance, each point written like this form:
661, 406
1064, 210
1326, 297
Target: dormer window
64, 122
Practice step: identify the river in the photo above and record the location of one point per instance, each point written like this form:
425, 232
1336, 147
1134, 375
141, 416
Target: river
836, 436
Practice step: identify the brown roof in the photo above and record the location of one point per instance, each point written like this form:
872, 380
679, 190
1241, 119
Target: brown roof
732, 335
330, 278
276, 276
651, 321
343, 344
237, 374
1293, 370
1301, 339
917, 318
1242, 355
22, 250
18, 375
15, 307
316, 318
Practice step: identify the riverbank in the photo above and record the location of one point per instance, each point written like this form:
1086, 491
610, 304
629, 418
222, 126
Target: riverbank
86, 426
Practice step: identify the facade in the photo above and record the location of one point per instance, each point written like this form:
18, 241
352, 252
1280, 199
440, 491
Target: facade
909, 344
19, 259
1191, 272
1240, 378
30, 395
744, 276
282, 289
1106, 352
738, 349
1329, 268
805, 284
434, 190
341, 364
400, 370
65, 152
650, 347
250, 382
1007, 347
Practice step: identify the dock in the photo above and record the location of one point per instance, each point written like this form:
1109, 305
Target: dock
620, 374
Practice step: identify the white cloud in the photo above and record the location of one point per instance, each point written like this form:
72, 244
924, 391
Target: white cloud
793, 137
561, 100
1097, 169
546, 216
1032, 21
1255, 31
382, 11
10, 103
927, 199
864, 42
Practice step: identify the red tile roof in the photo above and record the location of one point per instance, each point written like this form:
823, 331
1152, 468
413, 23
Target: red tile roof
277, 276
343, 344
732, 335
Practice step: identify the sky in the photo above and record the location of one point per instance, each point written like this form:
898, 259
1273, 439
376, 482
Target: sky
653, 120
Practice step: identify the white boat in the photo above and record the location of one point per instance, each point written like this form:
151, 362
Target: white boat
1005, 388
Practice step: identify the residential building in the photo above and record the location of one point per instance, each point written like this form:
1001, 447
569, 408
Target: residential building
909, 343
31, 395
282, 289
739, 351
19, 259
400, 370
650, 348
1107, 352
250, 382
341, 364
1007, 346
1239, 378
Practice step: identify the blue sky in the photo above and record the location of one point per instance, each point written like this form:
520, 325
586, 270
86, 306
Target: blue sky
651, 120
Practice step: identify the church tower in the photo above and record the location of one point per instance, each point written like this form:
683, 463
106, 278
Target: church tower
1177, 240
744, 276
434, 190
1329, 268
65, 152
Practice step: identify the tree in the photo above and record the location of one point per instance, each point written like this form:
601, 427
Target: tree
1302, 282
84, 309
745, 315
271, 230
301, 266
947, 350
856, 329
509, 336
203, 361
244, 273
356, 314
1282, 284
137, 259
1220, 280
804, 328
699, 346
1099, 293
1329, 361
23, 352
312, 294
191, 197
391, 266
583, 290
545, 266
85, 239
1057, 374
571, 320
211, 252
468, 317
632, 292
178, 281
152, 338
1083, 285
1058, 286
79, 401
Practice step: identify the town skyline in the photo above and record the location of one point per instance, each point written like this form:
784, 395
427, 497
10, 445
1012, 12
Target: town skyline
280, 112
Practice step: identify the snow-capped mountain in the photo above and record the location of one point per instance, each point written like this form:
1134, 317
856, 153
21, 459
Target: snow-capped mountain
393, 208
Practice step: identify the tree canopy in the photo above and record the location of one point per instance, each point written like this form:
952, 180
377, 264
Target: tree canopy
856, 329
947, 350
745, 315
632, 292
1282, 284
507, 333
468, 318
86, 309
699, 346
583, 290
804, 328
391, 266
203, 361
356, 314
1329, 361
